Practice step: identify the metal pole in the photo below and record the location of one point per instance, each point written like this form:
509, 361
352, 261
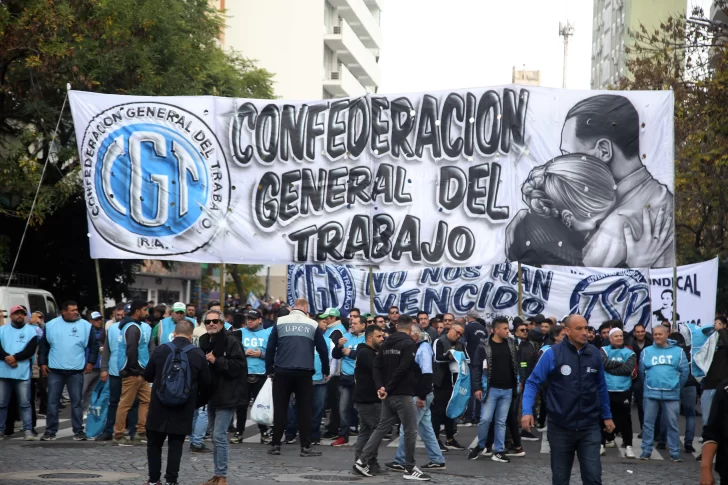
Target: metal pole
98, 283
267, 283
566, 56
520, 289
222, 284
371, 290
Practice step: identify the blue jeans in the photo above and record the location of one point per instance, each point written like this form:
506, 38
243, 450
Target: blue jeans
346, 410
585, 443
706, 399
220, 419
670, 411
74, 382
495, 408
319, 407
199, 426
688, 403
22, 394
424, 427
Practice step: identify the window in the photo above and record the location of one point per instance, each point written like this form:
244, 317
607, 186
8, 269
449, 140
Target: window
52, 308
168, 297
37, 303
137, 294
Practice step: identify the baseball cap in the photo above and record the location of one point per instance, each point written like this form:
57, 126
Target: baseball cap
330, 312
253, 314
367, 316
95, 315
18, 308
179, 307
127, 308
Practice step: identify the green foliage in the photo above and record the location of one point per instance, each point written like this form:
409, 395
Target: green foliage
140, 47
243, 279
690, 60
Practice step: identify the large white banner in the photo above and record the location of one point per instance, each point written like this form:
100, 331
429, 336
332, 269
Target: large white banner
697, 288
451, 178
490, 290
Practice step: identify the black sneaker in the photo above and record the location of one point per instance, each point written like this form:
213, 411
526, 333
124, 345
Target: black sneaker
308, 452
362, 469
639, 436
500, 457
290, 441
80, 437
528, 436
274, 450
314, 442
237, 438
475, 453
199, 449
515, 451
454, 445
435, 466
388, 436
47, 437
265, 439
415, 473
689, 448
393, 465
699, 457
443, 448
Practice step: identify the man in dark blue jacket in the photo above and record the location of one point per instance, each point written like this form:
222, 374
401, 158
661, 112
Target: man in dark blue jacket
577, 401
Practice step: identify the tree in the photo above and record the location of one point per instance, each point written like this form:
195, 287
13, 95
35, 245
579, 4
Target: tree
243, 280
687, 58
142, 47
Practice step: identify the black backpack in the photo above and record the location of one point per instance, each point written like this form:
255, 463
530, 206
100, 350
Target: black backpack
176, 384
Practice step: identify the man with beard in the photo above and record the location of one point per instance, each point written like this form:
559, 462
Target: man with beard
423, 320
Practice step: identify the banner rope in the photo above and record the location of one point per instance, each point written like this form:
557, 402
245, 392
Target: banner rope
51, 149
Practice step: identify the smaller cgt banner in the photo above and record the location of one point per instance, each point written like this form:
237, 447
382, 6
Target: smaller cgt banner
490, 290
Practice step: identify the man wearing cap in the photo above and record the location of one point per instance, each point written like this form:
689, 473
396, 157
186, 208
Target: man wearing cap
254, 339
334, 331
18, 342
92, 378
62, 357
165, 328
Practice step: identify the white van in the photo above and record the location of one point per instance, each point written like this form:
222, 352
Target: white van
34, 299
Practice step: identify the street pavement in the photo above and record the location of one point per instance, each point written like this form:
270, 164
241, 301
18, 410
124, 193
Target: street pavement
21, 461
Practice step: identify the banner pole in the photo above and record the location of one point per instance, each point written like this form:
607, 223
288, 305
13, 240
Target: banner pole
520, 289
98, 283
222, 285
674, 297
371, 290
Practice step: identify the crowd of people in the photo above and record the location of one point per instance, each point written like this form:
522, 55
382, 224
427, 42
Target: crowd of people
374, 376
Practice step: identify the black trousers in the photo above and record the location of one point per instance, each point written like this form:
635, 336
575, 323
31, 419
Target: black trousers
332, 403
442, 396
155, 441
251, 392
42, 389
283, 386
621, 405
542, 410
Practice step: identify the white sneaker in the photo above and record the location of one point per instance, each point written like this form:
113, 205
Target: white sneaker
628, 452
602, 450
610, 444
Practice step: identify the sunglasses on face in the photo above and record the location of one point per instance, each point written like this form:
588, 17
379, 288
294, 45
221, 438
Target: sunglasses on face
393, 312
214, 320
180, 313
370, 321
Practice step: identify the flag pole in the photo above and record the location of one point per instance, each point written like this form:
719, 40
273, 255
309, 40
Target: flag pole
98, 283
520, 289
371, 290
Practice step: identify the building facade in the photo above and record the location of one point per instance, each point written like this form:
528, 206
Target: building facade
613, 22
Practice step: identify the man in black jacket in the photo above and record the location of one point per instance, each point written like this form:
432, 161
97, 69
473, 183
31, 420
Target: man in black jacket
444, 375
715, 438
229, 371
366, 401
527, 358
396, 375
173, 422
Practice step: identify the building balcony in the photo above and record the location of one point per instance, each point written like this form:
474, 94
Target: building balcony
341, 83
357, 14
354, 54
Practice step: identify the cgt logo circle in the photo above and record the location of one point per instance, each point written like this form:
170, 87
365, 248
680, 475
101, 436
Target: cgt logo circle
324, 286
155, 178
623, 295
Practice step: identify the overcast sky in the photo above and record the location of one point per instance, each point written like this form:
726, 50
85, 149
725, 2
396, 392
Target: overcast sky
433, 44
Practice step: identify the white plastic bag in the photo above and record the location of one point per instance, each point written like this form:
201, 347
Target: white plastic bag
262, 412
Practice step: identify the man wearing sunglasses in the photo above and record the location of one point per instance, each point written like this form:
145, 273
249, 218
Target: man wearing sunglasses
444, 376
393, 317
229, 370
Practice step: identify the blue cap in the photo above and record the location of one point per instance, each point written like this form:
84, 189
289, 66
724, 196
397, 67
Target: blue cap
127, 308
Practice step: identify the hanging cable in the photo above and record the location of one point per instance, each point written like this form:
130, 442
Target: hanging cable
51, 149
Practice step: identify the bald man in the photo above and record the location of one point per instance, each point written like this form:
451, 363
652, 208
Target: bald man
619, 364
577, 401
